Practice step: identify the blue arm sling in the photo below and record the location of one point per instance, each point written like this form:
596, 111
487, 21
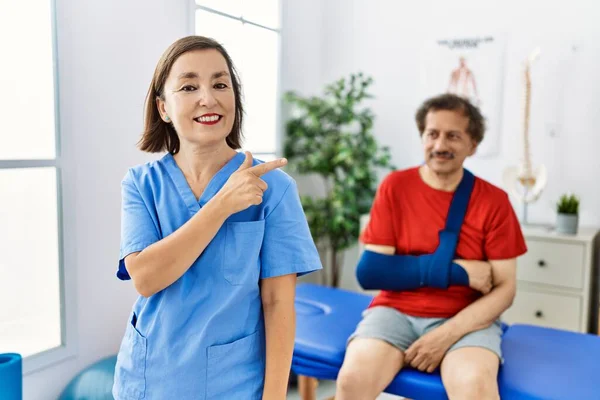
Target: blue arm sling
405, 272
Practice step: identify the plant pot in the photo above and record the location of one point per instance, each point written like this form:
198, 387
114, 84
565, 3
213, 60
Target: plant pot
567, 223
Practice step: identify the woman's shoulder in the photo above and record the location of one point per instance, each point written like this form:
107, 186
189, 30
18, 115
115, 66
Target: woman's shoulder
145, 171
280, 186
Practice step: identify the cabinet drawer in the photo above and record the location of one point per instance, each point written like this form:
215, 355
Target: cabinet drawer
545, 309
552, 263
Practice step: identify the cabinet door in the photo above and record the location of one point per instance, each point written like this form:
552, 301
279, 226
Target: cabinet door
545, 309
552, 263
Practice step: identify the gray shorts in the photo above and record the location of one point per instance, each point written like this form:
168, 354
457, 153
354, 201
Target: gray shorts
401, 330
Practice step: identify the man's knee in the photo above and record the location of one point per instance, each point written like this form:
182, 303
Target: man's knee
354, 380
369, 366
471, 383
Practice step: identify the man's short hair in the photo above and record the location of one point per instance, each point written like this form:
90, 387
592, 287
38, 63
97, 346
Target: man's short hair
452, 102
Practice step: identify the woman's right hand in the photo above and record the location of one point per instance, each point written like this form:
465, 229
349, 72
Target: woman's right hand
244, 188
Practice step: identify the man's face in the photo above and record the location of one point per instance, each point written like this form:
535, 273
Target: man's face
446, 142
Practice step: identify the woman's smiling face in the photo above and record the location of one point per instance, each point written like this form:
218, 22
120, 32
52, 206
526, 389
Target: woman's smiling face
198, 98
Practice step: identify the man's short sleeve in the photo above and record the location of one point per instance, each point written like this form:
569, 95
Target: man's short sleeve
288, 246
504, 238
138, 230
380, 229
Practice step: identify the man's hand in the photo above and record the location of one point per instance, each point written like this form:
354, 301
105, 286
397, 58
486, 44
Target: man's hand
427, 352
480, 274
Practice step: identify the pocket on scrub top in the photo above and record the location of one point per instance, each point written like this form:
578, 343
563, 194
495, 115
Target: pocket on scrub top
243, 241
130, 371
235, 370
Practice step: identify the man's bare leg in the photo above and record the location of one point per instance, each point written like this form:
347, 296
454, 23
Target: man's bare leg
369, 367
471, 373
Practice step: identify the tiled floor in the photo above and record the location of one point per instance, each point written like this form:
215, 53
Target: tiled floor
326, 389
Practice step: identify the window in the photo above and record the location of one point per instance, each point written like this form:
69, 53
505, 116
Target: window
249, 31
31, 317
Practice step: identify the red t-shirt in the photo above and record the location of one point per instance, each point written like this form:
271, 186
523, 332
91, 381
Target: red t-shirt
408, 214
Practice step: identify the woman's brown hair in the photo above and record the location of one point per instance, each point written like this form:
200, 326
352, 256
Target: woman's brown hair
159, 135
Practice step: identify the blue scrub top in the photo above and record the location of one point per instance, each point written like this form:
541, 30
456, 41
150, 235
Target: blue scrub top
203, 337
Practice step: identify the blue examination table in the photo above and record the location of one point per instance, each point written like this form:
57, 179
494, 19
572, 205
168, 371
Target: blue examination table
539, 363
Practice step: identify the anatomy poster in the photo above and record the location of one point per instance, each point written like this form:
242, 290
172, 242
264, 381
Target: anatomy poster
471, 67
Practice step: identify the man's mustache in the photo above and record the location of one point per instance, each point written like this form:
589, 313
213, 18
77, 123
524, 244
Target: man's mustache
442, 154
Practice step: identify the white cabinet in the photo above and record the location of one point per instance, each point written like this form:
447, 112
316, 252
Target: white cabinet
557, 281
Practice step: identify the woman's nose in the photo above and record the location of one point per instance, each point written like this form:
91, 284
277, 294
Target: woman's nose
206, 98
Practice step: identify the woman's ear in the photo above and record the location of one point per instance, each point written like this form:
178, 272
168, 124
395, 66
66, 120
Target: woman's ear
160, 105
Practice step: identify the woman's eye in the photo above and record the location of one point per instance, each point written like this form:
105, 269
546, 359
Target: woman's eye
188, 88
220, 86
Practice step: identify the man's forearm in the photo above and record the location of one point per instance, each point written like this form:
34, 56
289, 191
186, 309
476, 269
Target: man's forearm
280, 327
482, 312
377, 271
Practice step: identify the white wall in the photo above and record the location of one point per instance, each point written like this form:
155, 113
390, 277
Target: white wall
302, 58
302, 46
107, 51
383, 39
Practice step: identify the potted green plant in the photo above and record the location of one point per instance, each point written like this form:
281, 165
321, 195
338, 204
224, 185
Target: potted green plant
330, 136
567, 218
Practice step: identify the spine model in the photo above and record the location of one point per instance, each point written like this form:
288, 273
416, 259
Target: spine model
526, 175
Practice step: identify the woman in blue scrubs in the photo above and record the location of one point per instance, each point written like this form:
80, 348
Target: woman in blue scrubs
213, 241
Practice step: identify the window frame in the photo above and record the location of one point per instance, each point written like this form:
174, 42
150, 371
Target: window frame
67, 283
279, 92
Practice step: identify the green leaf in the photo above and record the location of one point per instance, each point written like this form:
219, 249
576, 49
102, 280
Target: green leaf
568, 204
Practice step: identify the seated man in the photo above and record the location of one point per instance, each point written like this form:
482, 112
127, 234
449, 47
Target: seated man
457, 327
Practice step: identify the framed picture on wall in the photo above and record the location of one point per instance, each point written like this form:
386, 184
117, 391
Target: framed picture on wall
471, 67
